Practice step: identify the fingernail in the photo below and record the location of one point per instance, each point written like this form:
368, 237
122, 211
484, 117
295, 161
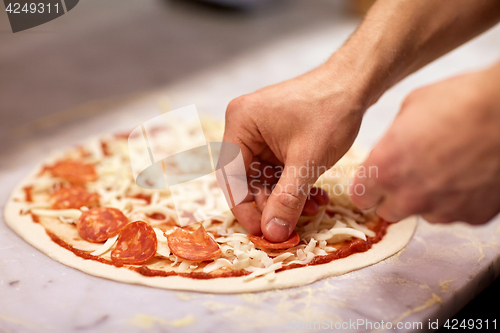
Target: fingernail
278, 230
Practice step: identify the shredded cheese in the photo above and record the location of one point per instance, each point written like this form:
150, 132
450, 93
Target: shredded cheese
263, 271
105, 247
73, 214
116, 187
362, 228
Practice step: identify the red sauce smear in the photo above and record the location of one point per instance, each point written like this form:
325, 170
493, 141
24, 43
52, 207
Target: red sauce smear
79, 253
27, 193
35, 218
206, 276
347, 248
143, 270
143, 197
157, 216
105, 148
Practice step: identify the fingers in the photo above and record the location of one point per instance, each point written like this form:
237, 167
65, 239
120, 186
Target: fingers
244, 136
268, 179
263, 185
311, 208
390, 211
231, 135
378, 181
474, 208
249, 216
376, 189
319, 196
247, 212
285, 204
365, 192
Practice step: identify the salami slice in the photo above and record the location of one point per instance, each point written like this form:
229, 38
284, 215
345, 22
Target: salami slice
74, 197
98, 224
260, 241
194, 245
74, 172
136, 244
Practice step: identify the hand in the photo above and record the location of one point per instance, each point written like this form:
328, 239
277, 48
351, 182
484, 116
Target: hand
304, 123
441, 156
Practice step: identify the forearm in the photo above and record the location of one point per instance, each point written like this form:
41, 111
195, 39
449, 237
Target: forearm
399, 37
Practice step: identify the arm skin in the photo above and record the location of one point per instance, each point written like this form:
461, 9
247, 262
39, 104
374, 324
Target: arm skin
314, 118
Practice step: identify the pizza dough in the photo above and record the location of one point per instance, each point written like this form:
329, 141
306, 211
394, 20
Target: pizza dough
396, 238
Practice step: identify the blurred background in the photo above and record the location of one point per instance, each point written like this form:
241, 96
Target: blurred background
108, 50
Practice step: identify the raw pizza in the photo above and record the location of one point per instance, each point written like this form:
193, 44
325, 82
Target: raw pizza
84, 209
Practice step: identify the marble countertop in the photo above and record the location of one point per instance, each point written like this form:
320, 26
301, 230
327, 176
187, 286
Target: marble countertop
441, 269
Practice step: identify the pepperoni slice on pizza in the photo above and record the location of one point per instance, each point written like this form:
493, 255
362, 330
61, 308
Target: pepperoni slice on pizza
98, 224
136, 244
74, 172
193, 245
74, 197
260, 241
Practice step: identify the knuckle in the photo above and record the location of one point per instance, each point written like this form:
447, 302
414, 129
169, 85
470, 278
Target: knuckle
240, 102
289, 201
236, 105
385, 160
232, 107
411, 204
412, 97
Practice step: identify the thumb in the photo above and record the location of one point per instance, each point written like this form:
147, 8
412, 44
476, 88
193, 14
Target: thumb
284, 205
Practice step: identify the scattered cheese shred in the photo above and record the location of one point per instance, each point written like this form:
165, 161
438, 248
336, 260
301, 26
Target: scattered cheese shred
106, 246
362, 228
263, 271
73, 214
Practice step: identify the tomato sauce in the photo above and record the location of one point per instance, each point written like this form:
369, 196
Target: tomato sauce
143, 197
79, 253
345, 250
28, 193
35, 218
157, 216
105, 148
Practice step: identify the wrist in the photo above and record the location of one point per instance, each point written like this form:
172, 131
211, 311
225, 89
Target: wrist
368, 68
360, 76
